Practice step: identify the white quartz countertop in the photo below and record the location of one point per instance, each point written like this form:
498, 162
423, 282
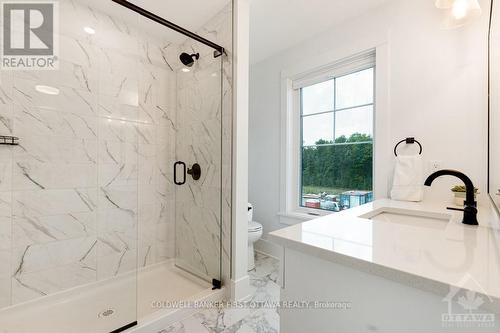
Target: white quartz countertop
429, 254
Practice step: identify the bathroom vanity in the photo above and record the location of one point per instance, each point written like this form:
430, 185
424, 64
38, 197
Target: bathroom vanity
392, 266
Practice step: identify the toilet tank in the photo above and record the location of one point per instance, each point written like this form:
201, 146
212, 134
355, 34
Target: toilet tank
250, 212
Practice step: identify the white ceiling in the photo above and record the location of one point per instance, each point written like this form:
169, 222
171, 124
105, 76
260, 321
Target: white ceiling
276, 25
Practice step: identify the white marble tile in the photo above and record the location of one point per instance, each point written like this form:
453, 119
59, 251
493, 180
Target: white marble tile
241, 320
117, 152
22, 291
114, 108
28, 230
5, 234
6, 168
118, 62
6, 84
153, 51
189, 325
222, 319
31, 174
6, 118
40, 257
95, 161
5, 257
116, 264
5, 292
118, 130
146, 133
80, 273
265, 321
116, 220
77, 15
29, 286
121, 197
123, 87
69, 74
147, 221
146, 255
54, 202
165, 241
118, 174
117, 32
56, 150
42, 122
5, 228
111, 243
71, 100
79, 52
147, 165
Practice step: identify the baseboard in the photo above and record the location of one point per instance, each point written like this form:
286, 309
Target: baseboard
240, 289
269, 248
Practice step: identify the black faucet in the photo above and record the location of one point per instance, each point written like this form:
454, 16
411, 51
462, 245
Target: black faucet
470, 204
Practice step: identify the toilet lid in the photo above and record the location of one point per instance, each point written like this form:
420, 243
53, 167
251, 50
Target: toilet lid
254, 226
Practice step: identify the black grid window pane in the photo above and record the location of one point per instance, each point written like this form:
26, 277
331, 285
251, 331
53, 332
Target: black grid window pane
354, 121
337, 143
318, 98
354, 89
317, 128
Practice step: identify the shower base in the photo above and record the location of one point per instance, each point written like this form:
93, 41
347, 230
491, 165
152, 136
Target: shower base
111, 304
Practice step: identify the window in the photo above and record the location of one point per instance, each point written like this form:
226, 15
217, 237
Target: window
336, 137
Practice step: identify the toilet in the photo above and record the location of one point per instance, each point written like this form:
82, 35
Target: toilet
254, 234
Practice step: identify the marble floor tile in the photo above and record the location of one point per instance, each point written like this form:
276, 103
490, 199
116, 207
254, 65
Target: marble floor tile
263, 281
188, 325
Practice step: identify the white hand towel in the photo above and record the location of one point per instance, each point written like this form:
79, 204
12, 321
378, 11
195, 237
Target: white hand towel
408, 179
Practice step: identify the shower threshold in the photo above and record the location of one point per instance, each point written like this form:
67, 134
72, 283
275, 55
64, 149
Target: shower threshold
107, 305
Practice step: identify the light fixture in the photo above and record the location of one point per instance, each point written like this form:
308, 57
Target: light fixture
460, 12
47, 90
186, 70
89, 30
463, 8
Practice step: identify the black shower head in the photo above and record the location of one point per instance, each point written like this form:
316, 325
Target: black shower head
188, 59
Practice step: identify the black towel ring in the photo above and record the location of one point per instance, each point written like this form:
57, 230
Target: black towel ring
407, 141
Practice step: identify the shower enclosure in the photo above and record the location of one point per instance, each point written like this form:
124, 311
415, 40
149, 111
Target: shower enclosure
115, 203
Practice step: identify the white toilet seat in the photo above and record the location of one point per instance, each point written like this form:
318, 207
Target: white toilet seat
254, 226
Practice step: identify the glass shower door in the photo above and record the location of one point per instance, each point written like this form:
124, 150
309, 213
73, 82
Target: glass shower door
198, 143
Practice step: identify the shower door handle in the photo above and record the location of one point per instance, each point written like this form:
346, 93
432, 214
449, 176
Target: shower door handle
183, 173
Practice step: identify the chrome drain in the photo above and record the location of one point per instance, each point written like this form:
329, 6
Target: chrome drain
106, 313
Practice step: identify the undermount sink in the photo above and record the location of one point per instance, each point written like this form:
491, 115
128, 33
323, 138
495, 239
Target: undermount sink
409, 217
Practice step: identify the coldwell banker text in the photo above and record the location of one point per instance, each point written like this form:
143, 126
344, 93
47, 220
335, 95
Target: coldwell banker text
30, 36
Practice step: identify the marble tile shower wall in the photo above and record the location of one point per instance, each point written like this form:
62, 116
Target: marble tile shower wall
93, 168
204, 110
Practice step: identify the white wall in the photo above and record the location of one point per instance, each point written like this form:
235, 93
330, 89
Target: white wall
437, 93
239, 256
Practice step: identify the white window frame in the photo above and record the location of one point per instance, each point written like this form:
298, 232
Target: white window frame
307, 74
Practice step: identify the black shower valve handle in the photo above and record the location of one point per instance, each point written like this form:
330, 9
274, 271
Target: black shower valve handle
195, 171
